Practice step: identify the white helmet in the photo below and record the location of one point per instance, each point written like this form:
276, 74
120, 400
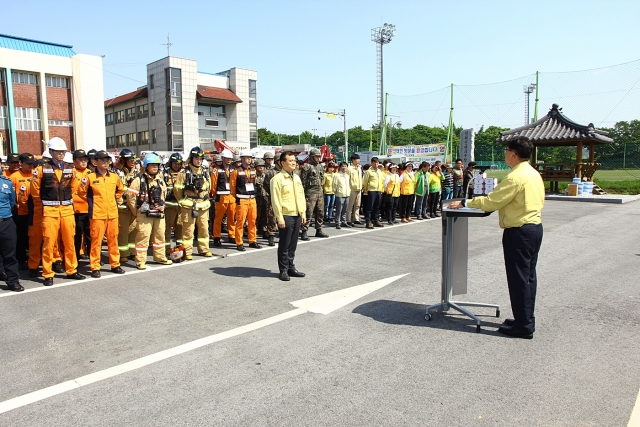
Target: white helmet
68, 157
46, 154
57, 143
227, 154
246, 153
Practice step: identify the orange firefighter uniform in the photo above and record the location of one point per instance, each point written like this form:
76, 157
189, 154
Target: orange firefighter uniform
22, 184
225, 202
81, 210
243, 182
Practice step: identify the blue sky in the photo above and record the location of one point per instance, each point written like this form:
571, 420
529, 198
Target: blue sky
318, 54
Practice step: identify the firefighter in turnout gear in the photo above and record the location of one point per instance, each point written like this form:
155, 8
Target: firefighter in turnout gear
126, 170
192, 189
243, 189
312, 176
171, 207
225, 202
148, 208
52, 188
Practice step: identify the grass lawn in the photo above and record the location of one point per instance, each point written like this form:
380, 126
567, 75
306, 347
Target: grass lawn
617, 181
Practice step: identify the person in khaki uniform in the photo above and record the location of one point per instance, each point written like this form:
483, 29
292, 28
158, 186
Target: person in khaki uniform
243, 182
171, 207
126, 237
312, 177
148, 208
192, 189
103, 191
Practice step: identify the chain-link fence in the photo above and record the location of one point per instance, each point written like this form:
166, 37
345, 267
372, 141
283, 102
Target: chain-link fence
608, 98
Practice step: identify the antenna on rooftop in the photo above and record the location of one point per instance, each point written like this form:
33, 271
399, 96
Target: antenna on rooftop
168, 44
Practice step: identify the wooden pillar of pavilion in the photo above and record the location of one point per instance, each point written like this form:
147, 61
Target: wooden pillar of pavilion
579, 160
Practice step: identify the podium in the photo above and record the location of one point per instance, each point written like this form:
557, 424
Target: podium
455, 259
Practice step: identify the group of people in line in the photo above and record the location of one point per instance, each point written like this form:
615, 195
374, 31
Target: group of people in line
62, 208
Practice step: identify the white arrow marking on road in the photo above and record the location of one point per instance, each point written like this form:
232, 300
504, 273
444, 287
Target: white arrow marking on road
321, 304
326, 303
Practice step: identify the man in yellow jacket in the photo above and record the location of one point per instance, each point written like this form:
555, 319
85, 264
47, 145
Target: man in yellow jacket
372, 186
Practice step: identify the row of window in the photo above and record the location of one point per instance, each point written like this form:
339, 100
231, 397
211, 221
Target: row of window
28, 119
131, 139
32, 79
129, 114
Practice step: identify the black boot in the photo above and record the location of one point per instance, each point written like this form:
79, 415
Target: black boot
319, 233
304, 236
217, 242
271, 241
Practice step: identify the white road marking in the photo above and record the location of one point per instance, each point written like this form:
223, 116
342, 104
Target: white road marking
322, 304
634, 420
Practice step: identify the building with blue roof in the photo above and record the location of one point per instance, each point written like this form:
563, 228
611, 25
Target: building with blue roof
49, 90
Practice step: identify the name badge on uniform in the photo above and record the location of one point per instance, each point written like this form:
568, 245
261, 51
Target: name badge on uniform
227, 186
249, 186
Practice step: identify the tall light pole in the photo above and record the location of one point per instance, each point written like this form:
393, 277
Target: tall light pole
528, 90
381, 36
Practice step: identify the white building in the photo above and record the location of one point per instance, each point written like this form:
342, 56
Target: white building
180, 108
48, 90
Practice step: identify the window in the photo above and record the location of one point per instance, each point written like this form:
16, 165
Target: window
2, 75
206, 135
111, 142
120, 116
28, 119
4, 123
151, 84
108, 119
24, 78
174, 85
132, 139
176, 142
130, 114
252, 89
153, 136
143, 137
211, 123
176, 119
57, 81
153, 108
60, 123
253, 137
122, 140
209, 110
143, 111
253, 111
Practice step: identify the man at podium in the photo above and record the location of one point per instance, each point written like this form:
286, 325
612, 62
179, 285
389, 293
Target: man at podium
519, 199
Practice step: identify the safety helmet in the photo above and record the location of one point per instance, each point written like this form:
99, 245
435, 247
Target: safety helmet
196, 152
246, 153
175, 158
217, 158
46, 154
151, 159
268, 155
315, 152
127, 154
68, 157
236, 158
57, 143
259, 162
91, 153
227, 154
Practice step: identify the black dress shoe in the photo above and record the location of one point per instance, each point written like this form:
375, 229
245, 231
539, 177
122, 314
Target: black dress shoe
295, 273
3, 276
48, 281
240, 248
284, 276
357, 222
509, 322
34, 273
511, 332
217, 242
58, 267
16, 288
117, 270
350, 224
95, 274
255, 245
76, 276
24, 265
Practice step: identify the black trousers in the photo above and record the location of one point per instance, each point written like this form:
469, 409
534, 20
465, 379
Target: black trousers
372, 208
434, 202
8, 250
82, 229
406, 205
392, 207
22, 233
288, 242
521, 246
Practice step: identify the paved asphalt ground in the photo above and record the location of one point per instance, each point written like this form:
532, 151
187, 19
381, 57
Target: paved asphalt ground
375, 361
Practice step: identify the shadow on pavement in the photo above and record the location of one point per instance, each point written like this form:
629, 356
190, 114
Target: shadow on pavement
411, 314
246, 272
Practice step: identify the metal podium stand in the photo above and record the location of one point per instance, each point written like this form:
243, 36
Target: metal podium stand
455, 257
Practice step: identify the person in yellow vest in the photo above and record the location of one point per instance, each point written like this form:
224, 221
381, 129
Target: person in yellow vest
126, 170
392, 193
103, 192
372, 186
225, 202
327, 190
146, 201
243, 181
52, 187
407, 192
82, 240
191, 189
171, 207
22, 184
342, 190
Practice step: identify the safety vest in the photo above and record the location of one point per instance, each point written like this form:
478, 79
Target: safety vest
242, 179
54, 192
408, 185
222, 186
392, 186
